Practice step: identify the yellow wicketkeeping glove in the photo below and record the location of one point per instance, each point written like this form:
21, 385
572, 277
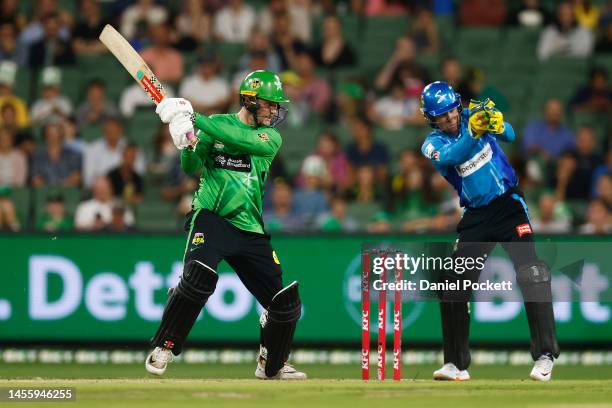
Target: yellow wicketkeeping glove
484, 117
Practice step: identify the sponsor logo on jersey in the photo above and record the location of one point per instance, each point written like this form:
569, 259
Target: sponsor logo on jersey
236, 162
476, 162
523, 229
263, 136
198, 239
218, 145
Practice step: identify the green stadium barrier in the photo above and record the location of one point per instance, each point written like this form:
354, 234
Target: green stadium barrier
105, 288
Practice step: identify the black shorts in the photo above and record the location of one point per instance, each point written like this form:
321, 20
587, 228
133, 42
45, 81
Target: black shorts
504, 220
212, 239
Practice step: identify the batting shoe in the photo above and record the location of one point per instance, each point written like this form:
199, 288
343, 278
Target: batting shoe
542, 369
157, 362
287, 372
450, 372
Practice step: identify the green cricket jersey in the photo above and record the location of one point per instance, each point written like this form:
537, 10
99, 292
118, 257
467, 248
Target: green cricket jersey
234, 158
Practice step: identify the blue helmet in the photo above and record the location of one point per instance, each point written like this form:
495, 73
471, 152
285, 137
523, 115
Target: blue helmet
438, 98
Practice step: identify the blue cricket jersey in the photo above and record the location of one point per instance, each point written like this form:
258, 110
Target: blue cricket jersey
477, 168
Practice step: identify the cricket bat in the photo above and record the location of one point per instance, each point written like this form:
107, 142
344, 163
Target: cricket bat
135, 65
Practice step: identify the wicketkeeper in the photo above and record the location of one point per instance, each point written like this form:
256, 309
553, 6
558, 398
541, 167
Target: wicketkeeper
233, 153
464, 148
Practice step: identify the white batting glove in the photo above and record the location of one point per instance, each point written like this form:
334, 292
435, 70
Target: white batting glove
180, 127
168, 108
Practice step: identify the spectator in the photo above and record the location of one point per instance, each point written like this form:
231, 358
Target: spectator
336, 163
85, 35
282, 217
8, 217
22, 137
118, 223
299, 17
8, 42
552, 216
8, 71
587, 14
193, 25
351, 103
403, 55
333, 51
310, 92
365, 151
13, 163
127, 184
133, 98
564, 37
310, 200
395, 110
52, 107
105, 154
285, 43
97, 108
55, 218
482, 13
35, 31
234, 22
97, 213
598, 219
11, 14
603, 189
604, 43
51, 49
530, 14
165, 61
366, 189
575, 168
596, 96
337, 219
137, 19
548, 137
425, 33
452, 71
259, 43
206, 89
54, 163
71, 135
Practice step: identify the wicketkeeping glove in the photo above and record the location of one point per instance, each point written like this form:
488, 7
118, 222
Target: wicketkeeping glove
484, 117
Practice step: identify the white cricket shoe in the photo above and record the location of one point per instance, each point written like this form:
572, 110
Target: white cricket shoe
157, 361
450, 372
542, 369
287, 372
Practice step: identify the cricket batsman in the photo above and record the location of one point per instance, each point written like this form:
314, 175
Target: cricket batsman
233, 153
464, 148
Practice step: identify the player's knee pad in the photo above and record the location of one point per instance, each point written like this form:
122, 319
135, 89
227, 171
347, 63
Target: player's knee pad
534, 280
278, 325
197, 283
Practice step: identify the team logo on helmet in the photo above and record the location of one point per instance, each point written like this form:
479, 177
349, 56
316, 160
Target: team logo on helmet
255, 83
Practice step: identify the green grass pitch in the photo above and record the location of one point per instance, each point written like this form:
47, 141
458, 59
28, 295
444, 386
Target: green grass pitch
197, 385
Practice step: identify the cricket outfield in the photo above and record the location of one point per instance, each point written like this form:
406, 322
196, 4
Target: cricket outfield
107, 385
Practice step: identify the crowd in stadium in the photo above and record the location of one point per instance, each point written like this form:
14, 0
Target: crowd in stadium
344, 177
